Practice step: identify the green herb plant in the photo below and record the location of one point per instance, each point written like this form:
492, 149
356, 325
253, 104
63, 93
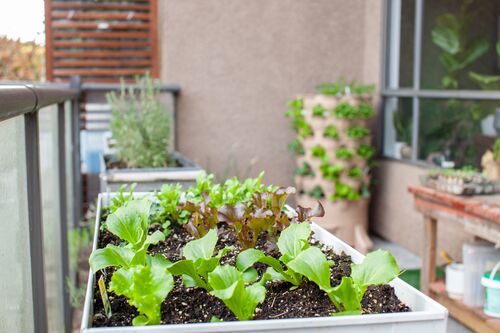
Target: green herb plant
140, 126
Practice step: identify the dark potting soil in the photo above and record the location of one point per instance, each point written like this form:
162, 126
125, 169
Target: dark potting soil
194, 305
119, 164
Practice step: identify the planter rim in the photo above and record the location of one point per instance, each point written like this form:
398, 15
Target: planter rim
423, 307
189, 171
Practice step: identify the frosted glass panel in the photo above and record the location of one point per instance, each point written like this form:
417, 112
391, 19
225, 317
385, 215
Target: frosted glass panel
49, 169
16, 308
70, 203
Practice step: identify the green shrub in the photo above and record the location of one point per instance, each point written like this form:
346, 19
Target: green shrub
141, 126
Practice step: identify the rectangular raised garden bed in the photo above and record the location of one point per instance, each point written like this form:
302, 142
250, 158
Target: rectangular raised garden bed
149, 179
426, 315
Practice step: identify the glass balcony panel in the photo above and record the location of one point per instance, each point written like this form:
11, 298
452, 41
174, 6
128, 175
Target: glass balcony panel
16, 306
50, 177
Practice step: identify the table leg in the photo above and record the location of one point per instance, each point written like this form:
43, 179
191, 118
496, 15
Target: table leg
428, 274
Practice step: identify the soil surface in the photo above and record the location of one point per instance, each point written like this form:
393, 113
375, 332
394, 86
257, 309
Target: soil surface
195, 305
119, 164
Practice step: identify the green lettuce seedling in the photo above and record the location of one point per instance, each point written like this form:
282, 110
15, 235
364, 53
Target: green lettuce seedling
130, 223
291, 242
228, 284
199, 261
145, 287
357, 132
377, 268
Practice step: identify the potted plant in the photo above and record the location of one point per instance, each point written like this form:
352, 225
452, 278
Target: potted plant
233, 257
141, 150
333, 153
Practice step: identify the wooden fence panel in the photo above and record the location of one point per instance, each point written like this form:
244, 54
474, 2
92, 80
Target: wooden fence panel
101, 41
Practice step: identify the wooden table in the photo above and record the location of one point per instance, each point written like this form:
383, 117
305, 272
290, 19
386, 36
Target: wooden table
479, 216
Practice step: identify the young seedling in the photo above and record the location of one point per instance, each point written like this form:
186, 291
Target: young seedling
358, 132
331, 132
145, 287
228, 284
130, 223
199, 261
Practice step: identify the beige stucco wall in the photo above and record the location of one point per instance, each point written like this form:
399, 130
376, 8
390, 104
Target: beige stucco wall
239, 62
393, 215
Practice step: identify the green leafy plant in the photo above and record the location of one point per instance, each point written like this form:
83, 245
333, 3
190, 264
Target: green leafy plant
345, 111
344, 191
496, 150
140, 126
331, 172
365, 151
343, 153
296, 147
199, 260
341, 87
291, 242
298, 124
121, 197
130, 223
319, 111
451, 35
365, 110
316, 192
331, 132
319, 152
169, 200
358, 132
229, 285
377, 268
145, 287
304, 170
355, 172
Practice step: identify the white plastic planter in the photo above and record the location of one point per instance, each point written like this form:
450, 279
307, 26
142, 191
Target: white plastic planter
426, 316
149, 179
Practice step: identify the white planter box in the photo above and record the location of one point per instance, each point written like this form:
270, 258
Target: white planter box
426, 316
149, 179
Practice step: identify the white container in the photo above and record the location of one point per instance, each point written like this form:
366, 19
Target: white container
491, 282
455, 280
478, 257
426, 316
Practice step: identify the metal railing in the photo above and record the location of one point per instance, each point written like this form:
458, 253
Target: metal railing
26, 100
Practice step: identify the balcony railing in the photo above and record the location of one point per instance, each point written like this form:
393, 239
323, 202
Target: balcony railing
41, 199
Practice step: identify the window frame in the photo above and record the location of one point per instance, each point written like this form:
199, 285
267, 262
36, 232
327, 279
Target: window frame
390, 77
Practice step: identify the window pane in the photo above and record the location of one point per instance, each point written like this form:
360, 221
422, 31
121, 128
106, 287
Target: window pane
398, 127
401, 29
16, 306
459, 44
457, 131
49, 169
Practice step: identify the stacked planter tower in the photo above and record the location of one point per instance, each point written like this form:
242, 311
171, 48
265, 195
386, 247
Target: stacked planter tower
333, 154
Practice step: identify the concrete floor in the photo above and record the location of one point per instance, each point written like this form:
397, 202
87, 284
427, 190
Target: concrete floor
409, 260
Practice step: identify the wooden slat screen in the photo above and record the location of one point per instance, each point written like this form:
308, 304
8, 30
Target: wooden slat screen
102, 41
